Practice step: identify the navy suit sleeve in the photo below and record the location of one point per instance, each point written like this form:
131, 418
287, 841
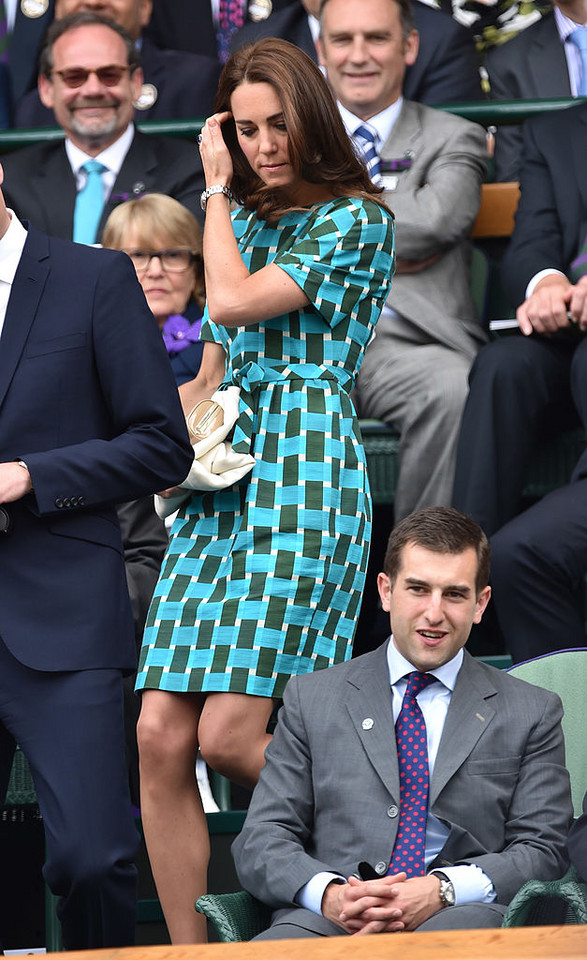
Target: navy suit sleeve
142, 444
537, 241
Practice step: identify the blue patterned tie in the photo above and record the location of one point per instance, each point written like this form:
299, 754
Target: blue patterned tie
366, 140
89, 204
412, 755
579, 38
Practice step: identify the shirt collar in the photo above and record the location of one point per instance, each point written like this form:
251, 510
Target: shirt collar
382, 123
565, 25
314, 25
112, 157
11, 247
399, 667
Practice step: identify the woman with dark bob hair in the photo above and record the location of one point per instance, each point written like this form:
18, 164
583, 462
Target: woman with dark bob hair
263, 579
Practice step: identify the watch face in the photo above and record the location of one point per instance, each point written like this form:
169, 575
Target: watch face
447, 893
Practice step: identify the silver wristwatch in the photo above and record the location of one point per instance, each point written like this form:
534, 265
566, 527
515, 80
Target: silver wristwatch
210, 191
447, 891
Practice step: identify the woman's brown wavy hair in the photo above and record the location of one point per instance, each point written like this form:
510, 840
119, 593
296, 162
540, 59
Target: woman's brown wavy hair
319, 147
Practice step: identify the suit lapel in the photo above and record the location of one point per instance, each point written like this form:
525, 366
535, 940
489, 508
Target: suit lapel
469, 715
369, 703
406, 134
135, 177
25, 295
547, 61
54, 183
578, 135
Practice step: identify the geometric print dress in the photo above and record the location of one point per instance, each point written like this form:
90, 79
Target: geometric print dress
264, 579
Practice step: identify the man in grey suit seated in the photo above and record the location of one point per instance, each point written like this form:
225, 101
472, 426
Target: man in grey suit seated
431, 164
340, 837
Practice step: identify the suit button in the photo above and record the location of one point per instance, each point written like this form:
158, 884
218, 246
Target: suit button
58, 502
392, 811
74, 501
80, 501
66, 502
381, 867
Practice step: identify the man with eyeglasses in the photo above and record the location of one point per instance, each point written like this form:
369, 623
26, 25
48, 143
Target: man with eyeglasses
176, 83
90, 76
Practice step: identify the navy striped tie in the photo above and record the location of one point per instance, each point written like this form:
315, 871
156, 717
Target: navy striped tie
366, 140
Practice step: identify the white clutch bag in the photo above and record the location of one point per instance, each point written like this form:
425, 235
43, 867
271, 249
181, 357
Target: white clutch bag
215, 465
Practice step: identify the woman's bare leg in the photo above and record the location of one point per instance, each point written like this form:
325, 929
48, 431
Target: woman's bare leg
233, 735
174, 823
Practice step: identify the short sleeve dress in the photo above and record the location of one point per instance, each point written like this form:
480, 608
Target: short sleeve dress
264, 579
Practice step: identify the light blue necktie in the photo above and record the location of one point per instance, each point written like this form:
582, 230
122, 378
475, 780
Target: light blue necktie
89, 204
579, 38
366, 141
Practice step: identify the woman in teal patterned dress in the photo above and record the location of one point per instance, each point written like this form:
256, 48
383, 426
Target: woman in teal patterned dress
264, 579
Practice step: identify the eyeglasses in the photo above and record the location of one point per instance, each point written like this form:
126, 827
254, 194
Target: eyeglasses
76, 76
173, 261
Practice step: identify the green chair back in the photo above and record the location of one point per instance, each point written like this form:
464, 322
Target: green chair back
565, 673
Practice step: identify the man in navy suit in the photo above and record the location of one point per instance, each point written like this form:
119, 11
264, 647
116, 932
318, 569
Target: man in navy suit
525, 388
89, 417
542, 62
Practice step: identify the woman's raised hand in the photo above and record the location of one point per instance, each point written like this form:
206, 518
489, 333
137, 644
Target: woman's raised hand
215, 155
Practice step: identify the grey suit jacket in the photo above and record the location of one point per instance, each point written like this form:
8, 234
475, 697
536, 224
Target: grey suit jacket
435, 205
328, 795
529, 67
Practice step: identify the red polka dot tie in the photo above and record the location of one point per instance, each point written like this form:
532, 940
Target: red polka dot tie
412, 754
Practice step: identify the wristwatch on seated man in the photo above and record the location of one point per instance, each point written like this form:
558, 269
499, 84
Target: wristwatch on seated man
447, 891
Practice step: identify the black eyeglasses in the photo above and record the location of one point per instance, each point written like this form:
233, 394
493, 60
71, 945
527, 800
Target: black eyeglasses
76, 76
173, 261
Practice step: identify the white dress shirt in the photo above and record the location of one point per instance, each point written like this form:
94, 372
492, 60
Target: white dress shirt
112, 158
11, 247
471, 884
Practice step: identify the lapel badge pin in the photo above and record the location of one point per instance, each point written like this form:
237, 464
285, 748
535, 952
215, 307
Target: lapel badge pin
33, 9
260, 10
397, 165
367, 723
147, 97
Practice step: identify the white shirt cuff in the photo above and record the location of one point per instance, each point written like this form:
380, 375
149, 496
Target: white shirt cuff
540, 276
471, 884
310, 895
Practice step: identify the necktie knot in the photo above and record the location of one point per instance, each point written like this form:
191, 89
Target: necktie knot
579, 38
417, 681
93, 167
365, 133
